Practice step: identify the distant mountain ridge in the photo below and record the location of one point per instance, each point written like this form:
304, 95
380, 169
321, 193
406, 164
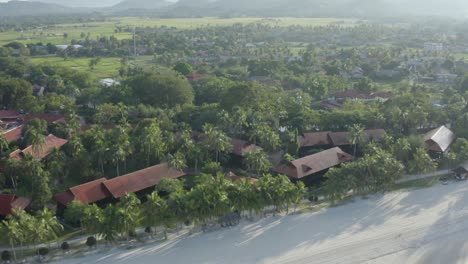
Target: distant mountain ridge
232, 8
24, 8
140, 4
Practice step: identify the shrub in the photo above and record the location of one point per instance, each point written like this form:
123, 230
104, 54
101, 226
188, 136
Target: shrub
65, 246
43, 251
6, 255
148, 230
91, 241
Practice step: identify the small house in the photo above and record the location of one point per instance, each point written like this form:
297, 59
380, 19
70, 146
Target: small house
438, 141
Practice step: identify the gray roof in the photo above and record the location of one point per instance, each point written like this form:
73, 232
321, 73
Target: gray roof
439, 139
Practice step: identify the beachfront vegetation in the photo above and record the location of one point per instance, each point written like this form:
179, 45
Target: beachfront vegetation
181, 95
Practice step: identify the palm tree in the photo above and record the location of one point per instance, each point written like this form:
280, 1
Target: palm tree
257, 162
129, 211
38, 141
91, 218
111, 223
177, 161
216, 140
48, 225
191, 149
154, 209
121, 147
356, 136
152, 142
99, 145
3, 144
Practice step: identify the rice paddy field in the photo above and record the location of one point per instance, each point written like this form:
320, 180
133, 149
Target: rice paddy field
106, 68
55, 34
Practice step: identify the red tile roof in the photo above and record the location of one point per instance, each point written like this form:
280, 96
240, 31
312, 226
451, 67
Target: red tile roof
51, 143
87, 193
8, 202
315, 163
141, 180
9, 114
241, 147
13, 134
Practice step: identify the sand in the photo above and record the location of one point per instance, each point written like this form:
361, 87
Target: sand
418, 226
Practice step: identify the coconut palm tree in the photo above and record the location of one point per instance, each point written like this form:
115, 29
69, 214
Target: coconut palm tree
257, 162
177, 161
38, 141
99, 145
192, 149
3, 144
154, 209
215, 140
356, 136
49, 226
152, 143
120, 148
129, 210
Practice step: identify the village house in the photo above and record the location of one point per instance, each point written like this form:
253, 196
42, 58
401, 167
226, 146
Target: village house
51, 143
438, 141
356, 95
241, 147
14, 134
104, 191
334, 139
315, 165
9, 202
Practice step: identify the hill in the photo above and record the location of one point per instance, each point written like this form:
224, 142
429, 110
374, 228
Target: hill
25, 8
140, 4
82, 3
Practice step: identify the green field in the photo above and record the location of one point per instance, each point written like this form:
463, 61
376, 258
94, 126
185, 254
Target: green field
54, 34
107, 67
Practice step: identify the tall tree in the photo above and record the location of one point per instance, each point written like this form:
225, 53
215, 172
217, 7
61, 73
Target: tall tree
257, 162
215, 140
356, 136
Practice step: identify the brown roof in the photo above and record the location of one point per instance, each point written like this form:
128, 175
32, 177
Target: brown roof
141, 180
340, 138
13, 134
8, 202
315, 139
241, 147
51, 143
439, 139
49, 118
350, 94
312, 164
9, 114
87, 193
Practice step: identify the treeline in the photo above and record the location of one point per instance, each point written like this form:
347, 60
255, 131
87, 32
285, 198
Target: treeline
211, 200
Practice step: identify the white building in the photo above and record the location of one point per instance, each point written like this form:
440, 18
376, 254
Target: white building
433, 46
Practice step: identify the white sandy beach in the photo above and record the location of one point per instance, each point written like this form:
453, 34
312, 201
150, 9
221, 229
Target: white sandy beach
421, 226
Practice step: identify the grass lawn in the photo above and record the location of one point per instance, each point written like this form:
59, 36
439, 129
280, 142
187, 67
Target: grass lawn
107, 67
54, 34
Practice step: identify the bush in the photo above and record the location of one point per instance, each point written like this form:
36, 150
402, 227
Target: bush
43, 251
6, 255
91, 241
65, 246
148, 230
